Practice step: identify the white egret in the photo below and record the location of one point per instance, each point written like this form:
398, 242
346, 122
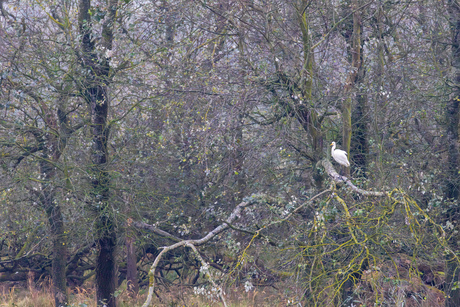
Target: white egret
339, 155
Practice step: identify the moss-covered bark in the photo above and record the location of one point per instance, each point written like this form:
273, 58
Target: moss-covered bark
352, 79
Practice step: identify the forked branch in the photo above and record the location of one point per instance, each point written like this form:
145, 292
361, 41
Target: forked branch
192, 243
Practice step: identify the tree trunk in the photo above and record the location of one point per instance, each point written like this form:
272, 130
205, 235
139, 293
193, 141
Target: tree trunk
346, 131
106, 269
55, 218
96, 95
56, 221
359, 118
52, 152
360, 121
452, 120
352, 79
131, 266
58, 272
355, 41
452, 113
306, 116
105, 228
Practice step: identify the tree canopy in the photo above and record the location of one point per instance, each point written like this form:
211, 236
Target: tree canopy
146, 145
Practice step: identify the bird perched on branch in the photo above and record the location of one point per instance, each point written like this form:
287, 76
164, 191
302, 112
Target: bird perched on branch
339, 155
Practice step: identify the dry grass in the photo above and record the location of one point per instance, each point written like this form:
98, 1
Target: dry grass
372, 288
30, 296
25, 297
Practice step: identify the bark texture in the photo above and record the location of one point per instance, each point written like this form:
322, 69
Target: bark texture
95, 92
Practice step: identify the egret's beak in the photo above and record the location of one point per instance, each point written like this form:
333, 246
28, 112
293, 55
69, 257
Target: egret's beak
330, 145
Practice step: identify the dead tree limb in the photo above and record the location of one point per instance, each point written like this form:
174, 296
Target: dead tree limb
192, 243
341, 179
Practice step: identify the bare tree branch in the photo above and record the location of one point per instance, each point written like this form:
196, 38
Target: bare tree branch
192, 243
341, 179
145, 226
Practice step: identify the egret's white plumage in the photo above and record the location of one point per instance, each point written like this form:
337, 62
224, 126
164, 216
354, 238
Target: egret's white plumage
339, 155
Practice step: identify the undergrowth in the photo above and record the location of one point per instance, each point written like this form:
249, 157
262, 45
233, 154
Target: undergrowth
18, 296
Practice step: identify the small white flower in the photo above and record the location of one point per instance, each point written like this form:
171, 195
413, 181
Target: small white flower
204, 268
248, 286
108, 53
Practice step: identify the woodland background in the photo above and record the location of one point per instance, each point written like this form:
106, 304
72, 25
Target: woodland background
127, 126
